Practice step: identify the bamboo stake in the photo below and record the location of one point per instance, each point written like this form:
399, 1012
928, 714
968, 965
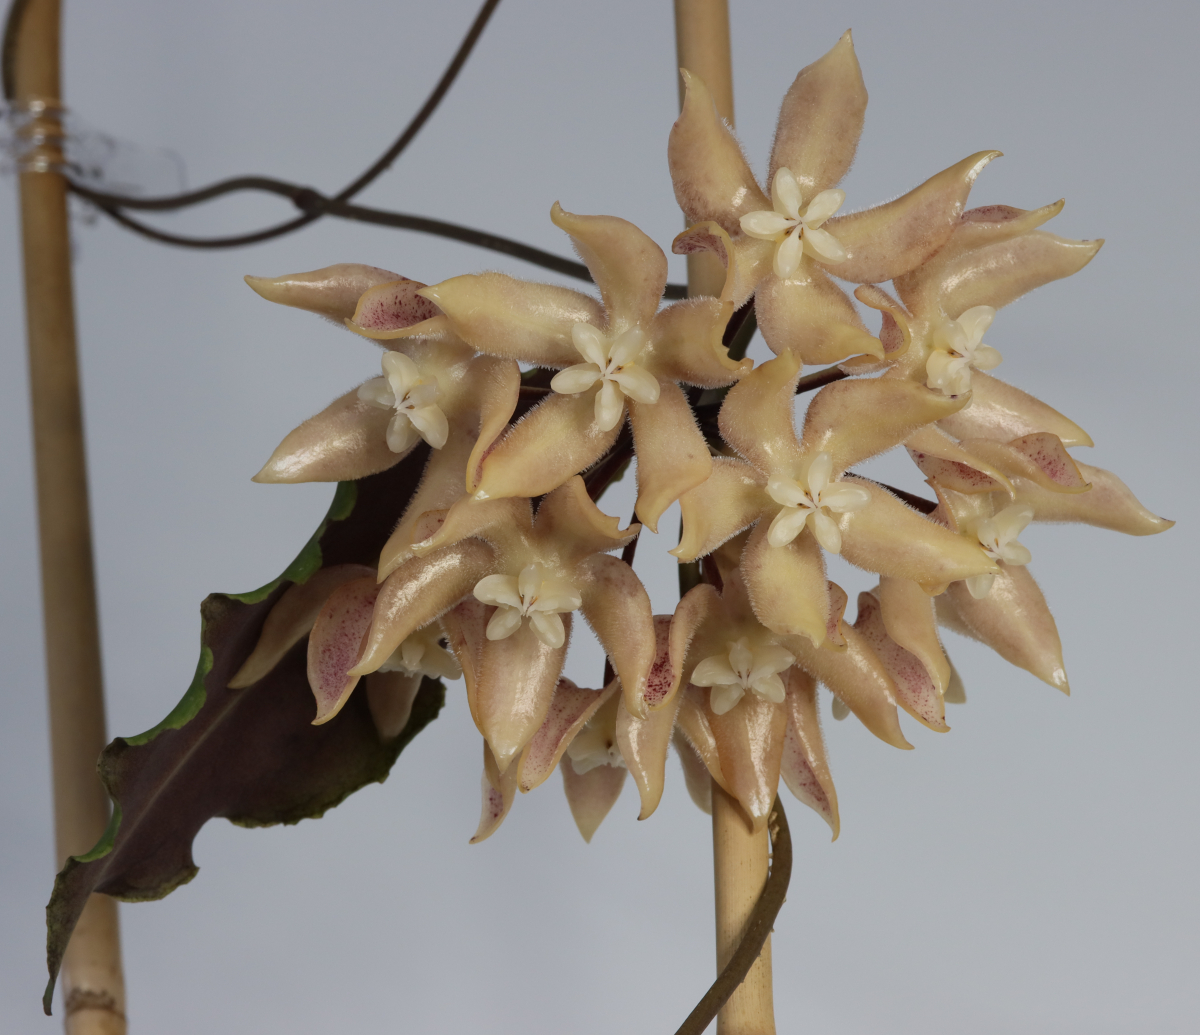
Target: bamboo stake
741, 858
92, 982
702, 47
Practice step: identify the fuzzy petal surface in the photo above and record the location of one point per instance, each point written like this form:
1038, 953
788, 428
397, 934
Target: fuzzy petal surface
332, 292
672, 455
811, 316
891, 239
516, 319
892, 539
787, 585
391, 306
942, 459
821, 120
557, 438
732, 498
686, 345
628, 267
569, 519
1040, 458
291, 619
803, 763
852, 421
757, 415
1015, 622
711, 176
747, 260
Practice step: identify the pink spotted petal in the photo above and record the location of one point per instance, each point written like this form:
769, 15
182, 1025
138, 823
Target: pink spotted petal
858, 678
499, 790
939, 457
515, 319
333, 291
289, 621
803, 765
1040, 458
570, 709
821, 120
915, 691
1107, 504
335, 642
392, 305
419, 591
909, 619
643, 743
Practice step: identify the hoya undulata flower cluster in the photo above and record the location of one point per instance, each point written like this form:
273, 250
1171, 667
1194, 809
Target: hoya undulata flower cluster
478, 578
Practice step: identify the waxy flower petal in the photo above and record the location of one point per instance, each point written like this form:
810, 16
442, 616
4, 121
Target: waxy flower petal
915, 690
335, 642
390, 697
1002, 412
334, 291
643, 744
499, 790
803, 764
592, 795
1107, 504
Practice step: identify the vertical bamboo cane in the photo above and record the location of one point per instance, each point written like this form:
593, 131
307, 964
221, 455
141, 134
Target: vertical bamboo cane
740, 857
92, 982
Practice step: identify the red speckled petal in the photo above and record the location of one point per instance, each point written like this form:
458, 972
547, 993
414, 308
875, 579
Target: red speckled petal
1040, 458
592, 795
888, 240
499, 790
803, 764
711, 176
391, 306
811, 316
390, 697
892, 539
908, 617
750, 742
855, 420
643, 744
418, 592
1015, 622
673, 637
291, 618
1107, 504
672, 456
858, 677
939, 457
345, 441
821, 120
516, 319
333, 291
570, 709
628, 267
915, 690
515, 687
334, 644
617, 607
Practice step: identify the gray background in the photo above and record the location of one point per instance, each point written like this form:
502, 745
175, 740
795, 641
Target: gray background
1032, 871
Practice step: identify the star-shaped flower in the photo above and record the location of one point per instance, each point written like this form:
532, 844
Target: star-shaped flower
958, 349
817, 499
529, 595
779, 248
412, 396
634, 356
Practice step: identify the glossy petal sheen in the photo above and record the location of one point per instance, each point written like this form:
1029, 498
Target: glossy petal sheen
1107, 504
499, 790
939, 457
915, 690
672, 456
1015, 622
750, 742
592, 795
392, 305
390, 697
1001, 412
617, 607
570, 709
333, 291
334, 644
909, 619
643, 744
803, 764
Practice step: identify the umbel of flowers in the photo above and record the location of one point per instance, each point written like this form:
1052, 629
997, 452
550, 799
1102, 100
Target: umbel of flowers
503, 541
